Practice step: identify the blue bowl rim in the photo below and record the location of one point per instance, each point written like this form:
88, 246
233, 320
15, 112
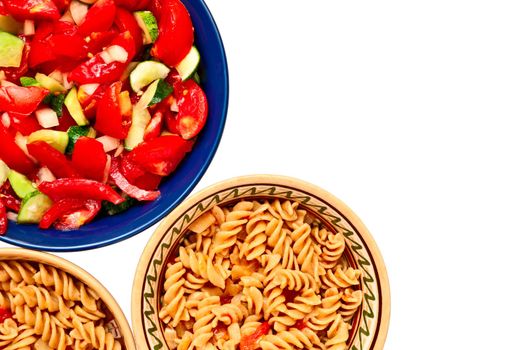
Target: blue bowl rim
158, 217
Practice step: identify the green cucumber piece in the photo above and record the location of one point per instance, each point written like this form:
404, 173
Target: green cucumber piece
56, 139
28, 81
11, 48
148, 24
136, 134
49, 83
20, 183
10, 25
33, 208
75, 108
146, 72
4, 171
112, 209
189, 64
76, 131
163, 90
56, 102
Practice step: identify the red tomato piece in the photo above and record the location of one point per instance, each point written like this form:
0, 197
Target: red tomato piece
126, 22
128, 188
133, 5
62, 4
250, 342
89, 158
24, 124
55, 161
176, 33
66, 121
162, 155
82, 216
19, 99
109, 120
10, 201
80, 188
12, 155
32, 9
193, 110
99, 40
59, 209
99, 17
153, 128
3, 226
95, 70
138, 176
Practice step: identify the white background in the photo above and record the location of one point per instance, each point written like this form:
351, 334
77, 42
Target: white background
413, 113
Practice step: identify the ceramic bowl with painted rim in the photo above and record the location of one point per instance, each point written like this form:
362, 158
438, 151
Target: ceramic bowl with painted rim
116, 319
370, 324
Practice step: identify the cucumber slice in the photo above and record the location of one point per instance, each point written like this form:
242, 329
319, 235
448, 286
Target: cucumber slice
4, 171
20, 183
33, 208
74, 132
189, 64
148, 24
163, 90
196, 78
49, 83
56, 139
146, 72
75, 108
28, 81
155, 93
136, 134
10, 25
11, 48
56, 102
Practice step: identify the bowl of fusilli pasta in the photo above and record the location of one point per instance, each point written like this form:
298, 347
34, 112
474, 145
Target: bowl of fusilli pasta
261, 262
48, 303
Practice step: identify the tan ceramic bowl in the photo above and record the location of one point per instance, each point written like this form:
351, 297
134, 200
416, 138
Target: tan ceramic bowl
81, 275
370, 324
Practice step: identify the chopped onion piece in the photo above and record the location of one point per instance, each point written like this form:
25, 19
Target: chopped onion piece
114, 53
109, 143
119, 151
44, 174
2, 75
29, 27
6, 120
66, 17
78, 11
47, 118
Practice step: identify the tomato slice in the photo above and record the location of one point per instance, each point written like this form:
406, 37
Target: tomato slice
19, 99
133, 5
128, 188
162, 155
109, 120
96, 70
192, 110
138, 176
3, 224
126, 22
99, 17
12, 155
48, 156
80, 188
176, 33
32, 9
89, 158
80, 217
153, 128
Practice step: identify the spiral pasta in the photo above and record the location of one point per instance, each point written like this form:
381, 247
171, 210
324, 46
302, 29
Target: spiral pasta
46, 308
259, 267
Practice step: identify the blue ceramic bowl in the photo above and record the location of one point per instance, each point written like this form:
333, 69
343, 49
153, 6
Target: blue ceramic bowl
108, 230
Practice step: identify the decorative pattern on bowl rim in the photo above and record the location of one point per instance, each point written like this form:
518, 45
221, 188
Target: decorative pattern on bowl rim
369, 329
